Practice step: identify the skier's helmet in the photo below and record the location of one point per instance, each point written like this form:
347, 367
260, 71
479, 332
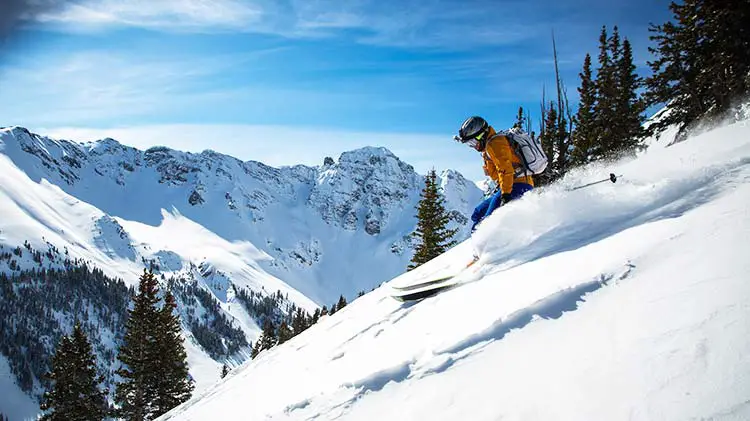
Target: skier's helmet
473, 130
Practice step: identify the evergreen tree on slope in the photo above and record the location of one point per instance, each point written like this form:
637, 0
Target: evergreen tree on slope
584, 135
629, 106
605, 108
224, 371
267, 339
702, 62
285, 333
341, 302
434, 238
548, 137
75, 392
136, 391
173, 384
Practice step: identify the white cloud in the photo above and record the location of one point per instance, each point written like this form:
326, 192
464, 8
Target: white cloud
87, 86
180, 15
280, 146
407, 23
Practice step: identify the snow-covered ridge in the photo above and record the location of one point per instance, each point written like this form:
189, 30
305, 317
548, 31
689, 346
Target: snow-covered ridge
364, 190
302, 222
362, 205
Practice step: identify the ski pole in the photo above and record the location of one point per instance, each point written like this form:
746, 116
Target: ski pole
612, 178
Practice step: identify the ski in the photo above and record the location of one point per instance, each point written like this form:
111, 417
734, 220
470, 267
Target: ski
427, 288
423, 284
415, 296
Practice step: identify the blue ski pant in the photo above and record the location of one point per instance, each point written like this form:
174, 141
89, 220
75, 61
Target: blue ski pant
488, 205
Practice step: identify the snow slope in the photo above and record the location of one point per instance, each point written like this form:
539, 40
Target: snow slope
620, 301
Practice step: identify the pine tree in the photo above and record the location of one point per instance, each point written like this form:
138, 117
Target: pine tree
605, 107
523, 120
562, 144
173, 383
135, 393
341, 303
433, 235
299, 322
256, 348
75, 393
285, 333
615, 138
267, 339
548, 135
520, 120
269, 335
615, 47
702, 61
584, 135
731, 35
628, 105
316, 316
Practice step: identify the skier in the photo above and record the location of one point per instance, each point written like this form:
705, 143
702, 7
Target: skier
501, 163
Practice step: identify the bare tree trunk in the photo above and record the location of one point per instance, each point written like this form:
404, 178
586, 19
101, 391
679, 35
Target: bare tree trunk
543, 108
528, 122
560, 109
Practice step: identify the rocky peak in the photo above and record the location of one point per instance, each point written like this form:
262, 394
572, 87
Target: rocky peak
365, 189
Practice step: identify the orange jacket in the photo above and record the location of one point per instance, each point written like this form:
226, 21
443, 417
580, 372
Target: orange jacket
501, 162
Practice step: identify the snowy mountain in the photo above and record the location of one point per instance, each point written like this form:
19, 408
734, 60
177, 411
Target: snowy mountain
619, 301
212, 226
304, 222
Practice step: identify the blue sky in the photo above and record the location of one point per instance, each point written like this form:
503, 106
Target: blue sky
292, 81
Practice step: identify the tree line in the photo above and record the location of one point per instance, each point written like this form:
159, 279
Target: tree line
153, 373
279, 325
143, 324
701, 72
45, 291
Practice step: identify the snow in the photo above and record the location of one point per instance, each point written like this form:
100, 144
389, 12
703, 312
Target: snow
619, 301
15, 404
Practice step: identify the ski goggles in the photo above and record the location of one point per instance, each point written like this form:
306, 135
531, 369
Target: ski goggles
474, 141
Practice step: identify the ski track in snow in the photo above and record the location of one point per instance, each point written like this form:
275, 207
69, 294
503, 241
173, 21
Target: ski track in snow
625, 301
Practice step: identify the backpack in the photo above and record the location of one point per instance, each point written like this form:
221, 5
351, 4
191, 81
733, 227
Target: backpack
529, 150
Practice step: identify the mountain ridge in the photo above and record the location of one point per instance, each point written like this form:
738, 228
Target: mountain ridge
216, 225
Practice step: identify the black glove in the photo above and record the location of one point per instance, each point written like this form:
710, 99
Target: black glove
505, 198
